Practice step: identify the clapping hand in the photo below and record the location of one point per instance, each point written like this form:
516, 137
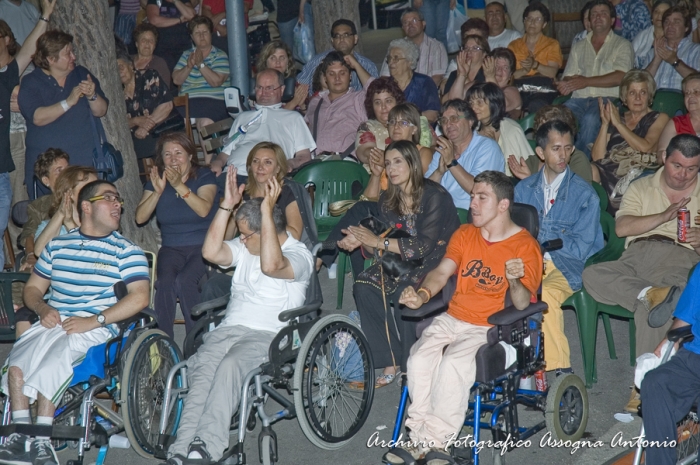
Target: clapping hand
173, 175
445, 148
157, 180
660, 49
463, 64
518, 167
198, 57
604, 111
67, 211
528, 62
272, 193
87, 87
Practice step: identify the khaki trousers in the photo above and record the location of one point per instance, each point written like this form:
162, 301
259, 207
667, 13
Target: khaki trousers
555, 290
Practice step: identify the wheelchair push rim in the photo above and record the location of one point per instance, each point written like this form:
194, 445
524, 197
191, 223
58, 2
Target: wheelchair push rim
145, 372
566, 413
332, 403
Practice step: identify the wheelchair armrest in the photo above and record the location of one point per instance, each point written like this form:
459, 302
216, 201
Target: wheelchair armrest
210, 305
434, 305
299, 311
510, 315
679, 333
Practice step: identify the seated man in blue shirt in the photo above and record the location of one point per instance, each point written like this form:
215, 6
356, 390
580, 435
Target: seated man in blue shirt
669, 391
568, 209
462, 153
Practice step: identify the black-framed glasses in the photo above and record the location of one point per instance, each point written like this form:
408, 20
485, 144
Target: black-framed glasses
266, 88
400, 122
345, 35
108, 197
248, 236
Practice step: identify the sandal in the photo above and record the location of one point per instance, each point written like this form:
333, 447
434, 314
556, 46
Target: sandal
385, 379
407, 456
438, 457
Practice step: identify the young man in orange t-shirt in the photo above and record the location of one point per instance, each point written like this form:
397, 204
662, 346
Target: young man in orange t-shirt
490, 256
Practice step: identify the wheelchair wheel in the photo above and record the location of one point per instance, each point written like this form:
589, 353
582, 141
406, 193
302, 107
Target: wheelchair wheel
194, 337
688, 439
266, 450
333, 382
566, 412
146, 369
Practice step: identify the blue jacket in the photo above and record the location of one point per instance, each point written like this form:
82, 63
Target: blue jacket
574, 218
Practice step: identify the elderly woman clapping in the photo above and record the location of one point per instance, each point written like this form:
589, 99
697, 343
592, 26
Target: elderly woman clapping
419, 89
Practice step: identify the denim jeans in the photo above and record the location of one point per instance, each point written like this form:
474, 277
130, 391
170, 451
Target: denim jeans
287, 29
436, 14
587, 113
5, 205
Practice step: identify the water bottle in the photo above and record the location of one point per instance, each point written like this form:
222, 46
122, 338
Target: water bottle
118, 441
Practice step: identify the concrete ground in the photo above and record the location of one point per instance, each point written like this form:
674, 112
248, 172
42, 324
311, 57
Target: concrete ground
606, 397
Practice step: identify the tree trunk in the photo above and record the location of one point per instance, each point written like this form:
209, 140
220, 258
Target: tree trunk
93, 43
326, 12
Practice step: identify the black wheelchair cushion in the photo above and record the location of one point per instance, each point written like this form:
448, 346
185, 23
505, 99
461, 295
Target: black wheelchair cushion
490, 363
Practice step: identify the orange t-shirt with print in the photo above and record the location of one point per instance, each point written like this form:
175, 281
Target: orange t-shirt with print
481, 271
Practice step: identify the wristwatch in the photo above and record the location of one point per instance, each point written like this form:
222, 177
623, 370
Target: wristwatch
676, 63
202, 65
452, 164
386, 244
101, 319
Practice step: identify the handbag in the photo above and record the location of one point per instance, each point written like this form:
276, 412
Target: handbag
106, 159
175, 122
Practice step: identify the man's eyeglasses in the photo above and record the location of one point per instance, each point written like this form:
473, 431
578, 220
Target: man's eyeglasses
108, 197
266, 88
450, 119
400, 122
345, 35
248, 236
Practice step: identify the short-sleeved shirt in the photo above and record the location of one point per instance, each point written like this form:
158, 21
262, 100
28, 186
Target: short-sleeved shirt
172, 34
285, 128
72, 131
546, 50
257, 299
432, 60
21, 19
37, 211
504, 38
616, 54
633, 16
668, 77
337, 120
179, 224
423, 93
83, 270
217, 6
195, 84
306, 76
482, 154
149, 92
9, 78
688, 310
481, 271
158, 64
645, 197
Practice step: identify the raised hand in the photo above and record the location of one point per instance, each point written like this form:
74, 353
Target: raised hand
376, 161
233, 193
604, 114
173, 175
614, 114
157, 180
272, 193
47, 7
351, 61
518, 167
87, 87
489, 67
463, 63
446, 149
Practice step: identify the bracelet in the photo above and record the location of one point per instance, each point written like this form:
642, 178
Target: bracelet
187, 194
64, 105
230, 210
427, 292
44, 19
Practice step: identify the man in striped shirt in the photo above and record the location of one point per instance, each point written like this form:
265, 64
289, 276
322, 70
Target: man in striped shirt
80, 268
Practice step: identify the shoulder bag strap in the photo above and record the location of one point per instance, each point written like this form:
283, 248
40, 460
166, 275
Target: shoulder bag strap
318, 110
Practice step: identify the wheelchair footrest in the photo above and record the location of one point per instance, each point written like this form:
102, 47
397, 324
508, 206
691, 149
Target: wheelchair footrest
54, 432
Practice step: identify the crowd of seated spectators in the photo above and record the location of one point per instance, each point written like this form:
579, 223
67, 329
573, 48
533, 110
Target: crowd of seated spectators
423, 127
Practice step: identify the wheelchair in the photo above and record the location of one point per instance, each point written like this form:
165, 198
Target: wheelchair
688, 441
128, 371
496, 395
324, 364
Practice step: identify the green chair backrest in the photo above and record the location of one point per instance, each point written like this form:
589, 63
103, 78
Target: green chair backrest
602, 195
561, 99
669, 101
527, 123
614, 245
464, 216
333, 181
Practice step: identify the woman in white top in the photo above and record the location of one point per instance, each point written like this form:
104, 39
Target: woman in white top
645, 39
488, 102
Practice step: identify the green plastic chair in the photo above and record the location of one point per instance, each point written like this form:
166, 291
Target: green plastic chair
333, 181
464, 216
669, 101
561, 99
527, 123
602, 195
7, 311
588, 310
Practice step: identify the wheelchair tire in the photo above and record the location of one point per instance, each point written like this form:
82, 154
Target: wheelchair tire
266, 450
566, 412
688, 439
194, 337
148, 362
319, 387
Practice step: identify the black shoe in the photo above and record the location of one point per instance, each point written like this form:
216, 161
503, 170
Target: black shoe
14, 451
41, 452
199, 447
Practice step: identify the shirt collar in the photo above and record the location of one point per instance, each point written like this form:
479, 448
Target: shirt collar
275, 106
557, 181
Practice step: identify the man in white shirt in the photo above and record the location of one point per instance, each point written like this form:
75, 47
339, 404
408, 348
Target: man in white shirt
268, 122
499, 36
272, 274
21, 16
433, 56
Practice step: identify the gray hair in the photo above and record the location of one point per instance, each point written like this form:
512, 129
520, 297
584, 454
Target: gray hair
251, 214
410, 50
274, 72
412, 10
